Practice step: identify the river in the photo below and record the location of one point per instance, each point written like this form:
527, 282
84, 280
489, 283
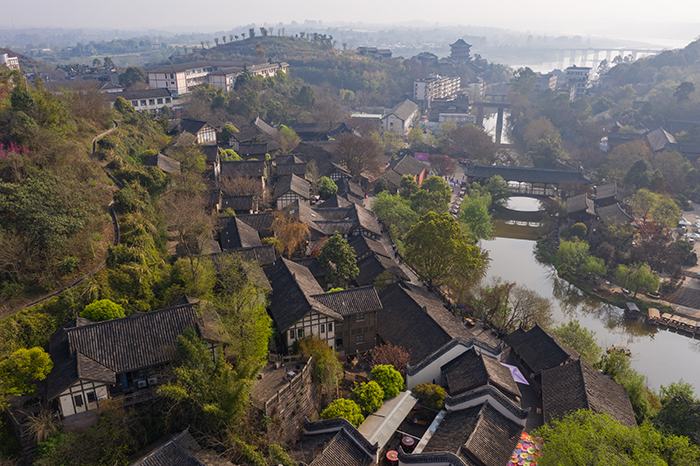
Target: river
662, 356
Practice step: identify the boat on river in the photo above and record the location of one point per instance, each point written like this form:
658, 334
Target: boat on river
653, 316
619, 348
665, 319
632, 311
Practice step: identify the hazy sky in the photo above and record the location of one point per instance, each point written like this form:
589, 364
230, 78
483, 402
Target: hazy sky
605, 17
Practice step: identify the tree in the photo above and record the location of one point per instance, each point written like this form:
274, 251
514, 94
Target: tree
579, 339
434, 195
288, 139
578, 230
392, 209
547, 151
326, 187
437, 248
369, 397
389, 379
393, 355
408, 187
683, 91
637, 277
290, 232
499, 190
227, 131
639, 175
471, 142
680, 415
442, 165
359, 154
23, 368
132, 76
306, 97
526, 308
346, 409
96, 63
572, 254
666, 213
188, 219
475, 218
524, 81
430, 395
108, 63
103, 309
328, 371
203, 389
340, 260
585, 437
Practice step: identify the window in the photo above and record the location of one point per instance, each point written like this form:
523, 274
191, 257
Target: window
172, 76
172, 83
78, 400
291, 334
360, 317
151, 101
135, 103
300, 333
330, 327
339, 343
160, 101
167, 100
323, 328
359, 338
143, 102
90, 397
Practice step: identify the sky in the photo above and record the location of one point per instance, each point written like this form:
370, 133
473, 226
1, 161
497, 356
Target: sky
567, 17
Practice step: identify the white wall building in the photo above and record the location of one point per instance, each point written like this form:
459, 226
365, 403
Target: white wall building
146, 100
579, 78
8, 61
436, 87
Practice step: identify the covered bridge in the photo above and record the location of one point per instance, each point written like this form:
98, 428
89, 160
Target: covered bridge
527, 180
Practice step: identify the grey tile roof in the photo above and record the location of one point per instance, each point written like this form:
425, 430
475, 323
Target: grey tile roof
292, 183
98, 351
344, 220
374, 265
659, 138
334, 201
577, 385
579, 204
472, 369
404, 110
165, 163
527, 174
392, 177
342, 450
290, 164
192, 126
417, 320
606, 191
261, 222
351, 301
236, 203
211, 153
407, 165
293, 286
363, 245
539, 349
613, 213
177, 452
263, 255
477, 435
243, 168
234, 233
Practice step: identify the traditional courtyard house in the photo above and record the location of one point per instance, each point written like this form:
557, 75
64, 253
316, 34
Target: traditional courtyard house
660, 140
239, 204
613, 214
406, 165
263, 255
261, 222
334, 202
364, 247
606, 195
119, 358
399, 119
255, 170
292, 306
580, 208
164, 163
145, 100
204, 133
181, 450
290, 165
359, 308
255, 139
473, 369
212, 157
234, 233
291, 189
351, 191
577, 385
537, 350
334, 442
380, 271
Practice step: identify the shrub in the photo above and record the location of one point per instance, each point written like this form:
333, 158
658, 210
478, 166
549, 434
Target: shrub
326, 187
430, 395
347, 409
103, 309
389, 379
368, 396
395, 355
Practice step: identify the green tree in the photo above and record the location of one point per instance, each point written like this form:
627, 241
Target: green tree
369, 397
409, 186
288, 139
475, 218
639, 175
328, 371
666, 213
584, 437
392, 209
133, 75
683, 91
547, 151
389, 379
430, 395
434, 195
346, 409
103, 309
108, 63
499, 190
680, 415
326, 187
637, 277
572, 254
438, 249
340, 260
579, 230
594, 265
23, 368
524, 81
579, 339
227, 131
306, 97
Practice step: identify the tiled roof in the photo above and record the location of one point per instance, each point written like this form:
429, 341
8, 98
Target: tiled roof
407, 165
243, 168
578, 204
98, 351
417, 320
344, 220
527, 174
177, 452
392, 177
404, 110
659, 138
237, 202
577, 385
472, 369
605, 191
234, 233
191, 126
613, 214
211, 153
263, 255
165, 163
292, 183
478, 433
539, 349
362, 245
342, 450
351, 301
288, 164
334, 201
262, 222
293, 286
374, 265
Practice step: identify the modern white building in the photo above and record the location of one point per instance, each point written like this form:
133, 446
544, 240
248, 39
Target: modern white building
436, 87
399, 119
226, 77
10, 62
578, 78
546, 81
146, 100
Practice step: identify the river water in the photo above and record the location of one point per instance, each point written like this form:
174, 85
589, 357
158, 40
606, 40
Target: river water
662, 356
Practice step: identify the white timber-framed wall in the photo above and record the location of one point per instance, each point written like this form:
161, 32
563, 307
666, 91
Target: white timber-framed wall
82, 396
288, 198
313, 323
206, 135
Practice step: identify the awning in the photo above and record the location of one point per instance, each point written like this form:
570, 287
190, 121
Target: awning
380, 426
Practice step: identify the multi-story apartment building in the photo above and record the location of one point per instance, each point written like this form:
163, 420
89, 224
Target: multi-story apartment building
546, 81
578, 78
436, 87
10, 62
226, 77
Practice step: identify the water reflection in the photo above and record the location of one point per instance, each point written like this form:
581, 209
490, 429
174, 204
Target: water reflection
661, 355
